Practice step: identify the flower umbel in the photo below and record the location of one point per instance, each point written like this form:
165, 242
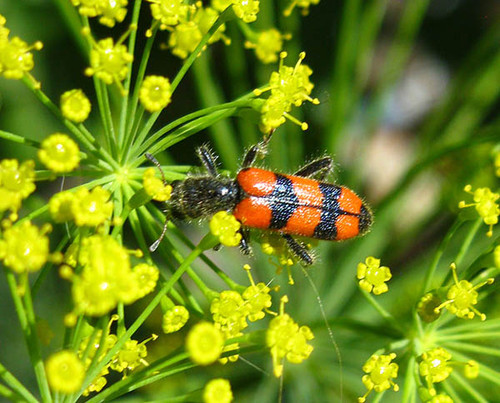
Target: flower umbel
380, 370
485, 202
372, 276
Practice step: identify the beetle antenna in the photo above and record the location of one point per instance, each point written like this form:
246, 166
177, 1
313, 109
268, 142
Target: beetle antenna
155, 161
156, 243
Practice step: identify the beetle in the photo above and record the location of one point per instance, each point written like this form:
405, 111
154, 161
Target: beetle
301, 204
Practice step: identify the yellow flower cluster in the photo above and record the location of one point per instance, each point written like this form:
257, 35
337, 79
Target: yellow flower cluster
65, 372
109, 12
303, 4
372, 276
155, 93
16, 184
218, 391
289, 86
286, 339
226, 227
380, 370
267, 44
187, 23
85, 207
75, 106
175, 318
485, 202
59, 153
462, 296
16, 59
107, 277
155, 187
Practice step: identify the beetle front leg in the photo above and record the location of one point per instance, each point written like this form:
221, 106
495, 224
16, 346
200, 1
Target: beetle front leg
299, 250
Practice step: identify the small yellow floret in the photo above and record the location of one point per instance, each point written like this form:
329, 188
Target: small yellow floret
175, 319
435, 366
268, 45
380, 370
60, 206
16, 184
372, 276
485, 202
169, 12
204, 343
112, 11
65, 372
184, 39
131, 355
471, 369
247, 10
304, 4
155, 187
25, 247
75, 106
229, 311
286, 339
59, 153
109, 62
146, 277
226, 227
16, 59
92, 208
155, 93
462, 296
217, 391
257, 298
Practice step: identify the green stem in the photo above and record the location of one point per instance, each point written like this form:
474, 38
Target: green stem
382, 312
16, 386
467, 241
26, 318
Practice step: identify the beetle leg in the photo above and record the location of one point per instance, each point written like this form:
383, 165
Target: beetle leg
156, 243
320, 167
244, 243
208, 159
298, 249
256, 151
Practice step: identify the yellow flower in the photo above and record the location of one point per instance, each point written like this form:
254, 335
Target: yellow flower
59, 153
247, 10
462, 296
16, 59
380, 370
91, 208
273, 244
175, 319
229, 312
60, 206
184, 39
204, 343
226, 227
485, 202
289, 86
75, 106
256, 297
65, 372
155, 187
217, 391
25, 247
111, 11
131, 355
268, 45
304, 4
287, 340
435, 367
155, 93
109, 61
106, 277
146, 278
169, 12
372, 276
471, 369
16, 184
